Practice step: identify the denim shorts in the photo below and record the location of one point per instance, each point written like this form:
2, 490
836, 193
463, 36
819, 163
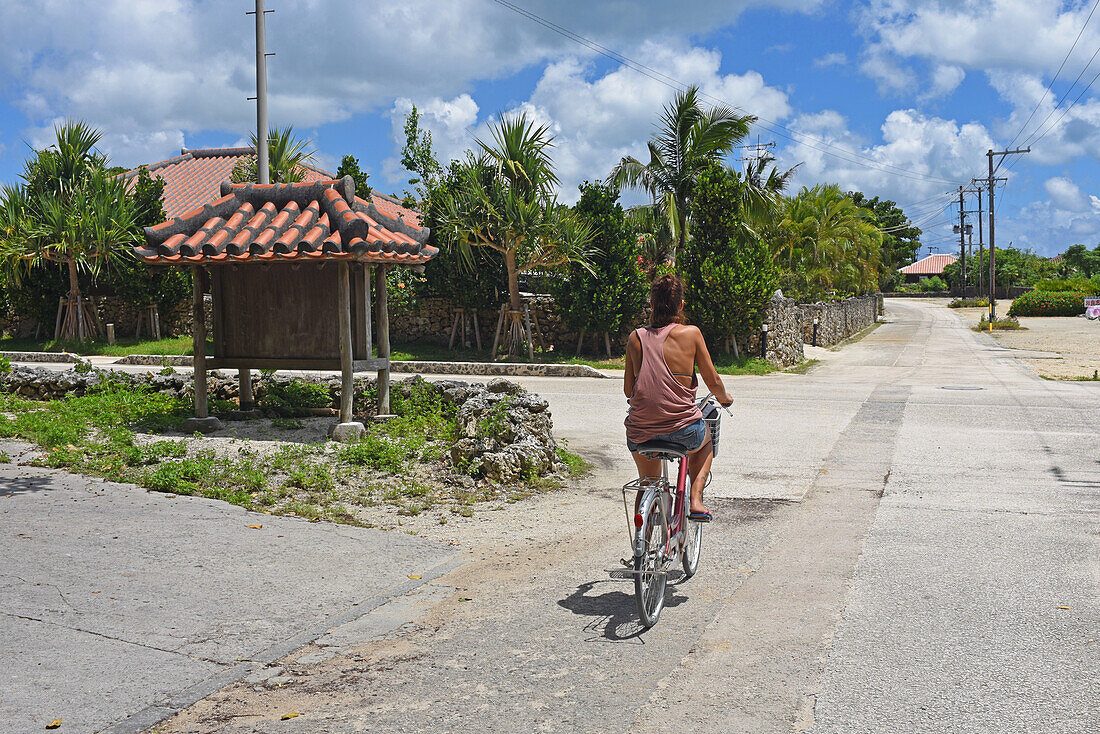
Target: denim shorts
690, 437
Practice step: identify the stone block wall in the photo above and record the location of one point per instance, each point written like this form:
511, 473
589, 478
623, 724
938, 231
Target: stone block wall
111, 310
432, 319
840, 320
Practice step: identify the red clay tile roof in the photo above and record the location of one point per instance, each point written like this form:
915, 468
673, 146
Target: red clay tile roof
276, 222
930, 265
192, 178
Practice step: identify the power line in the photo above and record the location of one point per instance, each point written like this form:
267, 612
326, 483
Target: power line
673, 83
1051, 85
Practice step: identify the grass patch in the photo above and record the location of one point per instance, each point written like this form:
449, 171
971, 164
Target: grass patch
180, 345
969, 303
1094, 378
803, 367
1005, 323
578, 465
403, 461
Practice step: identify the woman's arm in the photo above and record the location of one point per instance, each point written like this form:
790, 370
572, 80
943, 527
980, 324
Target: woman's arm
706, 369
633, 361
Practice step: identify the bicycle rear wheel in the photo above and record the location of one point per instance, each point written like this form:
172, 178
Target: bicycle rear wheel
649, 579
693, 544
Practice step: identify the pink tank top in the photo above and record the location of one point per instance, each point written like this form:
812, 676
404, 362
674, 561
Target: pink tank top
660, 404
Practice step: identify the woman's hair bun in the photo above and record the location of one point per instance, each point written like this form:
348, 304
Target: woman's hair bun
666, 295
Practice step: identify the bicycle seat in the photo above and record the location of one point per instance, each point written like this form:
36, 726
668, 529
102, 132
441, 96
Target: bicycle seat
662, 450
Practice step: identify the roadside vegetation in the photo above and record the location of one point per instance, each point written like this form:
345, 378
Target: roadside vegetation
1048, 303
128, 435
1001, 323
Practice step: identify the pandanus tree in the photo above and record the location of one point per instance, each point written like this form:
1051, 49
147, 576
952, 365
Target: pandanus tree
69, 211
828, 243
285, 157
504, 199
689, 138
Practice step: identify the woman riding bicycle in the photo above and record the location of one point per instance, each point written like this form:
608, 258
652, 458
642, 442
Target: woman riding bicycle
660, 384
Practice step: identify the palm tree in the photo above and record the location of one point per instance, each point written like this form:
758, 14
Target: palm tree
503, 199
286, 157
71, 211
688, 139
655, 244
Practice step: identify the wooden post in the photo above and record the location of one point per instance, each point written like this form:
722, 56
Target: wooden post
580, 342
383, 339
198, 332
57, 322
244, 384
347, 385
454, 331
607, 343
368, 325
530, 334
477, 331
496, 334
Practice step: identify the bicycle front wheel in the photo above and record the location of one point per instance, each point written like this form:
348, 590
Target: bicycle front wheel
649, 577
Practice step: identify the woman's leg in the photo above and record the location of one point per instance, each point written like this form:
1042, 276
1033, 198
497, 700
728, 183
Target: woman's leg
698, 468
647, 467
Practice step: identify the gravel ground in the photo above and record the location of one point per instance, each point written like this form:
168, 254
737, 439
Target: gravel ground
1070, 346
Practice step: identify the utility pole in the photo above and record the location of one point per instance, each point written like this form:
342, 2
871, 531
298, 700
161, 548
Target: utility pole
962, 242
992, 183
263, 171
759, 150
981, 244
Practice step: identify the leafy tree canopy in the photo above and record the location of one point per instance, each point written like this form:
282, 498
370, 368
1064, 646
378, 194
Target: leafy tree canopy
729, 275
607, 295
349, 166
900, 239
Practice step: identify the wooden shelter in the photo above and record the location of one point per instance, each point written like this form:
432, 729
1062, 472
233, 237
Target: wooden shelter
289, 268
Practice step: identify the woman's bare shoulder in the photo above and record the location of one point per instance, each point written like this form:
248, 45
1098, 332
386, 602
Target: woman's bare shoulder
687, 330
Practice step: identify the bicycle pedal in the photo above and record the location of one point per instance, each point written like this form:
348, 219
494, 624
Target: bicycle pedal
628, 564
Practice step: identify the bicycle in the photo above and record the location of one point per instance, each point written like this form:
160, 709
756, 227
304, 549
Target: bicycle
661, 532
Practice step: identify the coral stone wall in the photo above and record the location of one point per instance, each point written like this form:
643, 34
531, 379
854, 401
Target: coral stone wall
840, 320
784, 347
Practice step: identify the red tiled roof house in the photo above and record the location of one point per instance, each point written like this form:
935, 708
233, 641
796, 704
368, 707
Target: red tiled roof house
289, 268
926, 267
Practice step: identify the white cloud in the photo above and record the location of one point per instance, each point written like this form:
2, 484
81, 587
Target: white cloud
596, 119
927, 152
837, 58
945, 79
1009, 34
1066, 195
149, 67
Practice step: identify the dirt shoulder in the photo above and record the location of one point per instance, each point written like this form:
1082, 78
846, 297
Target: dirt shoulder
1056, 347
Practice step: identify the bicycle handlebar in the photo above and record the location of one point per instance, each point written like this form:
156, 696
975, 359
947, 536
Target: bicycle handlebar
710, 396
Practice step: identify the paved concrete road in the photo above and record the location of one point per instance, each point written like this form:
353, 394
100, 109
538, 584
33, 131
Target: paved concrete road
119, 603
921, 556
938, 572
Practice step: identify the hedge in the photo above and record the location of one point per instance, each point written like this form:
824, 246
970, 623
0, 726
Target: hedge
1048, 303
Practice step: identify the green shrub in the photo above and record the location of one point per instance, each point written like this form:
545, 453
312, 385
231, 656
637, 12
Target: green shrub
934, 283
1048, 303
294, 397
376, 452
969, 303
5, 365
1072, 285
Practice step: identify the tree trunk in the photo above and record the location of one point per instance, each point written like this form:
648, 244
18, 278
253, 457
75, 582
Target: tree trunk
78, 323
515, 303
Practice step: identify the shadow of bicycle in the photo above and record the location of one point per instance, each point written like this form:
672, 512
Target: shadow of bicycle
613, 610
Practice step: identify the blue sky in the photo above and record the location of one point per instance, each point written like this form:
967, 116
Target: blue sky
897, 98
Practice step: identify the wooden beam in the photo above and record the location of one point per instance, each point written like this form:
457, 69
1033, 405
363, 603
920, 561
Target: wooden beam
347, 383
198, 332
383, 338
293, 363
